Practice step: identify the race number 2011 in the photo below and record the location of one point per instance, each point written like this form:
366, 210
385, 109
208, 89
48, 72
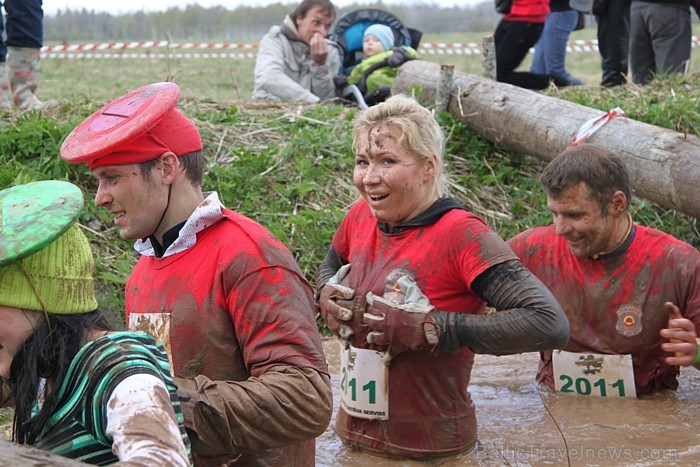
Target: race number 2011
598, 388
590, 374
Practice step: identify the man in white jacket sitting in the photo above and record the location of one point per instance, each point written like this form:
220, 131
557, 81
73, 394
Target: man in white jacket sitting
295, 61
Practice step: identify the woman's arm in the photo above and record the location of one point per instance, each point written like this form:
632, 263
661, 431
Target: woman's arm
142, 424
330, 265
528, 317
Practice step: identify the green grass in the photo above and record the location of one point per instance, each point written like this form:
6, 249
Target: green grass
290, 166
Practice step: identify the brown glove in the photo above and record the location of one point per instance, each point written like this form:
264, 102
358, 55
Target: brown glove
341, 309
402, 327
403, 318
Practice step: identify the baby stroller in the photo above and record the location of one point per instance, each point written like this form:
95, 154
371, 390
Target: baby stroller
348, 32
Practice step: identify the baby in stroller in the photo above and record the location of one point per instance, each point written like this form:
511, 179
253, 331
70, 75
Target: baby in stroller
380, 63
374, 43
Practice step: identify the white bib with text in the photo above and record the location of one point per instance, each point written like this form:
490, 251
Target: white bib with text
364, 383
590, 374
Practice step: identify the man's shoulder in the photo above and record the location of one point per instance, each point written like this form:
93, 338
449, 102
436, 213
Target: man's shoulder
653, 239
533, 235
274, 37
239, 238
274, 31
235, 221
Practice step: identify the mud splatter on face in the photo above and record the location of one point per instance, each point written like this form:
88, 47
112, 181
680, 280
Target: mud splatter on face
377, 138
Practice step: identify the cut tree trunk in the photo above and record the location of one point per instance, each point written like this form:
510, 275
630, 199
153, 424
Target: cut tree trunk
664, 165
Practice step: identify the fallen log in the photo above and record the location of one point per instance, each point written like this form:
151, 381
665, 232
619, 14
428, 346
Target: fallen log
664, 165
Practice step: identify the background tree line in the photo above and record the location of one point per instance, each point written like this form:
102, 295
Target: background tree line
196, 23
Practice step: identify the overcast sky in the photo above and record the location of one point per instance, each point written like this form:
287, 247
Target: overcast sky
126, 6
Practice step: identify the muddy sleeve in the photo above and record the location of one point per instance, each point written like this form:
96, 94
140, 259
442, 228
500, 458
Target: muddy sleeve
330, 265
528, 318
142, 424
284, 405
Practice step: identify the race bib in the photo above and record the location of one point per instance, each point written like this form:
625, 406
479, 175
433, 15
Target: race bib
364, 383
590, 374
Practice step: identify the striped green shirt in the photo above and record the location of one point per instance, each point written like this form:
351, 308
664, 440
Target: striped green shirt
78, 424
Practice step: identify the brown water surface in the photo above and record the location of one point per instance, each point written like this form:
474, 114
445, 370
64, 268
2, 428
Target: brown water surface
524, 425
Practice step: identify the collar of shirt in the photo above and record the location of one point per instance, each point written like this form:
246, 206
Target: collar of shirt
428, 217
208, 213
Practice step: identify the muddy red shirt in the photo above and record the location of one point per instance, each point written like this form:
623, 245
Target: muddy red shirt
431, 413
230, 307
615, 304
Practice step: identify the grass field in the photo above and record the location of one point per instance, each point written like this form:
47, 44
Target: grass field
223, 79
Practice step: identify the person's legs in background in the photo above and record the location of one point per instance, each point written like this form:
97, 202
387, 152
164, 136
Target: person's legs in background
24, 27
642, 60
660, 40
538, 64
673, 37
613, 18
513, 40
550, 51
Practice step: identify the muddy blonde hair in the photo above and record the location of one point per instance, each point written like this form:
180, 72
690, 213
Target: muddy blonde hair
418, 131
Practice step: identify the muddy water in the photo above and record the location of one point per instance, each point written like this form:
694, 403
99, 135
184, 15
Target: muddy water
521, 424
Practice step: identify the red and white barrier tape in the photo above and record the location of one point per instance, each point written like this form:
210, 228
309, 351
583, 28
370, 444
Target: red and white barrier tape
595, 124
437, 48
143, 45
80, 55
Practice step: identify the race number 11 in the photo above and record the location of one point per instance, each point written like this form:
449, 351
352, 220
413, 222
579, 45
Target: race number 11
364, 383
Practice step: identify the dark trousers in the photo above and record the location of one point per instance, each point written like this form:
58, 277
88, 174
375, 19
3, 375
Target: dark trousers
24, 25
513, 40
614, 40
660, 39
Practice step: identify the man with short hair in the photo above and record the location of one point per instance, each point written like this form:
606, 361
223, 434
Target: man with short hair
627, 290
225, 297
295, 61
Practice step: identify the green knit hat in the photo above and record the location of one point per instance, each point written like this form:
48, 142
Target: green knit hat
45, 260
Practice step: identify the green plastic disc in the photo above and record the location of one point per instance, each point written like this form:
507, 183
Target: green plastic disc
34, 215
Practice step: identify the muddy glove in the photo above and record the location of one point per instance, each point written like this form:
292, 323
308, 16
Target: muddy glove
397, 58
403, 319
340, 308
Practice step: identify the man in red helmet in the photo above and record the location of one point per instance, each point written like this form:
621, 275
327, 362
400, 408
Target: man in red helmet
225, 297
